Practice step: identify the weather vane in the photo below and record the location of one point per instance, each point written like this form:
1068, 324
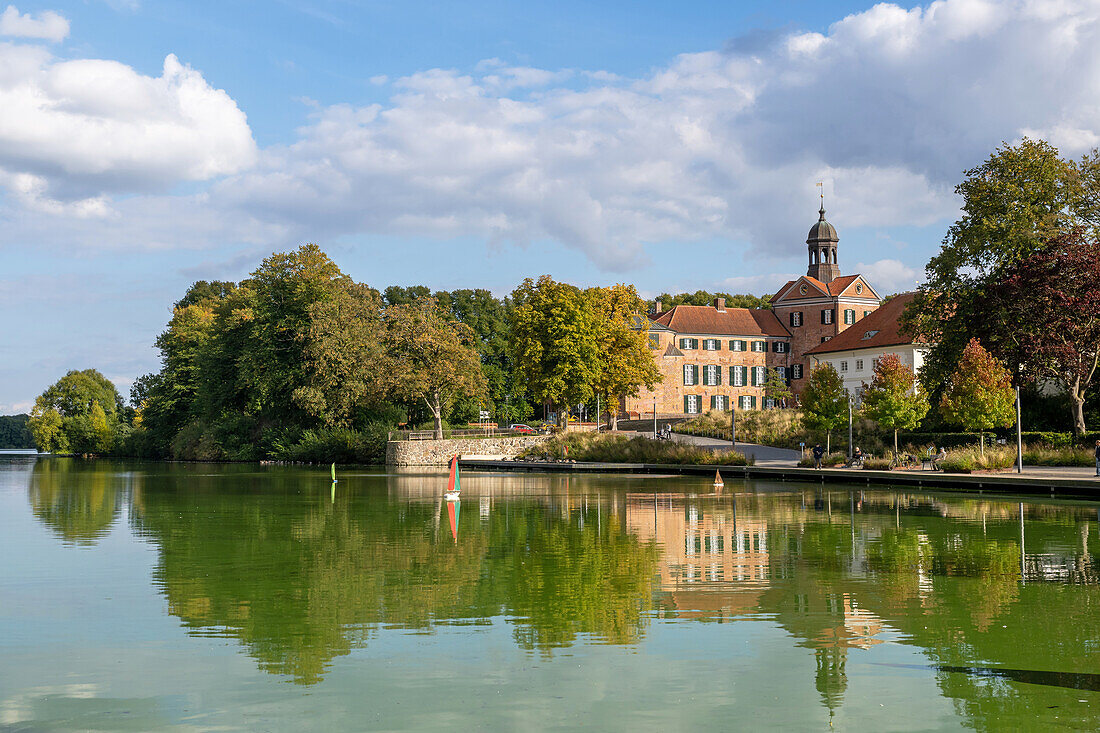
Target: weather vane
821, 193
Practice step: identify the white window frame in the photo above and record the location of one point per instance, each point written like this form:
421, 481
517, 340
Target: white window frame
843, 366
796, 319
827, 315
796, 371
710, 375
710, 344
689, 375
738, 379
859, 365
694, 404
744, 402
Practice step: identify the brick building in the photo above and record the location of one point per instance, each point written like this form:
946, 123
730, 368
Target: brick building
714, 357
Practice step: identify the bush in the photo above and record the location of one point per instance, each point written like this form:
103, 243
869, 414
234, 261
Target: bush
967, 460
620, 449
943, 440
876, 464
1035, 455
831, 460
336, 445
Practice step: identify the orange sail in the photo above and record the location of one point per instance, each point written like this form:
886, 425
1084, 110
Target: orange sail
452, 515
718, 478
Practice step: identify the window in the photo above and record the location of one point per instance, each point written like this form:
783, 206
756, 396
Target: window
866, 313
757, 376
874, 363
712, 375
737, 345
746, 402
843, 366
686, 343
759, 345
796, 371
859, 365
849, 316
711, 345
781, 347
719, 402
737, 376
782, 372
869, 335
691, 375
654, 340
824, 339
692, 404
769, 403
827, 316
796, 318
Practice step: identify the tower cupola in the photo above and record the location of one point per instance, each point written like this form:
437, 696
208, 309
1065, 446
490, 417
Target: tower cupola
821, 245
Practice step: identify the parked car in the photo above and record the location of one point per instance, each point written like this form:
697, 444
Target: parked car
521, 428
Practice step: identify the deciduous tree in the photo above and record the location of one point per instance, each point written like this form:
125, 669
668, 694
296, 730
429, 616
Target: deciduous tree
1051, 303
892, 399
430, 358
625, 359
825, 401
979, 393
777, 388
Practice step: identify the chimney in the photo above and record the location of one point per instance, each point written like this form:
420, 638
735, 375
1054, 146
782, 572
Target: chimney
657, 307
720, 304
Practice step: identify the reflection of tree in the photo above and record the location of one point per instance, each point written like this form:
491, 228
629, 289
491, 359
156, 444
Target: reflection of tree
77, 500
299, 580
565, 579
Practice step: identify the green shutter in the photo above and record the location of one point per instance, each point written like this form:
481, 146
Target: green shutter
753, 398
685, 403
744, 376
718, 376
717, 344
697, 375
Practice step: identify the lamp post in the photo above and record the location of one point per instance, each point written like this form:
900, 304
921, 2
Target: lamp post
849, 427
1019, 437
655, 418
733, 421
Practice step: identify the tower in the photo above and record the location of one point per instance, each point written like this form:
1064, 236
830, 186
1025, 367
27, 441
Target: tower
821, 245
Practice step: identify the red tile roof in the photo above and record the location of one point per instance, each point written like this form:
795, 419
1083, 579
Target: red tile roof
883, 321
730, 322
836, 287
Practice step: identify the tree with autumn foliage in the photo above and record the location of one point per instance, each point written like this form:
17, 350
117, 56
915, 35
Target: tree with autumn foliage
430, 357
979, 393
1051, 299
625, 360
825, 401
892, 399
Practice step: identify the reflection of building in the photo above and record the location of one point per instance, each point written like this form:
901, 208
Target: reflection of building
712, 563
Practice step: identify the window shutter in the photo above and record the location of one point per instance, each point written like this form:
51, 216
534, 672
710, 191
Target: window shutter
696, 368
753, 398
686, 406
717, 344
792, 317
823, 316
717, 376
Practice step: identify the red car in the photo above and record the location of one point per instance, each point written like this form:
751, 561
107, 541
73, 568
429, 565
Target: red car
525, 429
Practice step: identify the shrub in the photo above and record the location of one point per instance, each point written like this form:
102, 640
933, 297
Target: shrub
339, 445
831, 460
876, 464
1035, 455
620, 449
966, 460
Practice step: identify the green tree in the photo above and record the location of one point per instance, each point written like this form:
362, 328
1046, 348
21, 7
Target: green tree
825, 401
1017, 200
553, 335
979, 394
88, 406
430, 358
14, 432
625, 360
777, 388
892, 399
702, 297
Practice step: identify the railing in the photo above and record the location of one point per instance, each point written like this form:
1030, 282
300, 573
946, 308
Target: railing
464, 434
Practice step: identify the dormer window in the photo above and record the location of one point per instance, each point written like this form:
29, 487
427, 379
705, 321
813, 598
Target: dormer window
869, 335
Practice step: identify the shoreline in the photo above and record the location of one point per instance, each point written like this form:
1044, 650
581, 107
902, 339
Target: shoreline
1075, 488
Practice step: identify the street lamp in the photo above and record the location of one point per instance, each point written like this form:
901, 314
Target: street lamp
849, 426
655, 418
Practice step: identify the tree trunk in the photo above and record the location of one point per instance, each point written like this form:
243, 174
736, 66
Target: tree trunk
895, 442
435, 404
828, 441
1077, 406
612, 415
981, 443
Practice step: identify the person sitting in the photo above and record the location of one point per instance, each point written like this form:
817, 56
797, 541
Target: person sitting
857, 458
937, 458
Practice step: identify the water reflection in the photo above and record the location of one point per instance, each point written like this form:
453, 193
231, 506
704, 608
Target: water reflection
300, 575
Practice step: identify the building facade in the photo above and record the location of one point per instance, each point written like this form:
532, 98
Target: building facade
855, 353
714, 357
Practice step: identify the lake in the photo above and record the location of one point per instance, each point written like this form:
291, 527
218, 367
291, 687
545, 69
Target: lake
139, 596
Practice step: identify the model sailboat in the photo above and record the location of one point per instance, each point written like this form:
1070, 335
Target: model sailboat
454, 485
718, 479
333, 473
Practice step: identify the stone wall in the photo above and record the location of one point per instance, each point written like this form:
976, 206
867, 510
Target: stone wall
439, 452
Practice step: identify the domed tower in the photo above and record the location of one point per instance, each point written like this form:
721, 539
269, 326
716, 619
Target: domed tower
821, 244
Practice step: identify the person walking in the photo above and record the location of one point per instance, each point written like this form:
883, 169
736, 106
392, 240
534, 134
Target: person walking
1098, 458
819, 453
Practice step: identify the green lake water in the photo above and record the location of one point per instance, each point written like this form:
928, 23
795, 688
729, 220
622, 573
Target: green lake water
204, 597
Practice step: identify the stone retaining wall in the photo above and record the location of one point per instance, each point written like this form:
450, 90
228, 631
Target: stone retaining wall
439, 452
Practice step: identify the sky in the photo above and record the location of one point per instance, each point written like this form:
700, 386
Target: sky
461, 144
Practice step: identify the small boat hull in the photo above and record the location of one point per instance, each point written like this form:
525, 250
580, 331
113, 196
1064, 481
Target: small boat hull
451, 496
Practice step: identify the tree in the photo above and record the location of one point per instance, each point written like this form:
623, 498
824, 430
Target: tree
979, 394
78, 413
1021, 197
892, 398
702, 297
343, 348
14, 432
430, 358
825, 401
625, 360
553, 330
1052, 301
777, 388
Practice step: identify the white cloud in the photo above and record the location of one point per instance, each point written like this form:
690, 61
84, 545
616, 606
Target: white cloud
73, 132
48, 25
890, 276
888, 106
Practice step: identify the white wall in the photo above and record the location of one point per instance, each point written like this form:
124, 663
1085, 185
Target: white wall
911, 355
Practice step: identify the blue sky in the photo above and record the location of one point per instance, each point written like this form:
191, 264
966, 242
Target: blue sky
471, 144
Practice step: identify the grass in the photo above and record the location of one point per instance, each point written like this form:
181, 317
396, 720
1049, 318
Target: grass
966, 460
876, 464
604, 448
831, 460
